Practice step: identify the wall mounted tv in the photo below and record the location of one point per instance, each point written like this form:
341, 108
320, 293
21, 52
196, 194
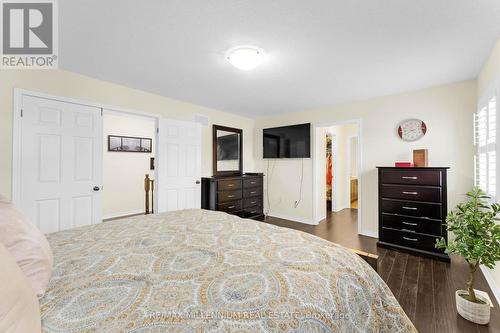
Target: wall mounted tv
288, 141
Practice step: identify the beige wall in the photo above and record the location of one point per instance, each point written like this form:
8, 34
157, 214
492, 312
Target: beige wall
447, 111
489, 75
123, 173
490, 71
67, 84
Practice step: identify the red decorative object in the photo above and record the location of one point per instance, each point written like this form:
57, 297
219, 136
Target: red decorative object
403, 165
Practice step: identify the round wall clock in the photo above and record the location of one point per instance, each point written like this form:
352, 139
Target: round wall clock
411, 129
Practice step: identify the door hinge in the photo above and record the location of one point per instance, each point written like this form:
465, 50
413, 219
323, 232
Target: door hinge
22, 113
157, 130
101, 112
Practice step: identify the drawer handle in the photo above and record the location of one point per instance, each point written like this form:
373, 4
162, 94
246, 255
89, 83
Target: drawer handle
409, 177
408, 223
230, 207
410, 208
253, 202
230, 185
230, 196
408, 230
411, 239
410, 193
253, 183
253, 212
253, 192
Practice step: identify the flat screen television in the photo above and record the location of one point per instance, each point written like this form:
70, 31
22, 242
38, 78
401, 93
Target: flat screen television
287, 141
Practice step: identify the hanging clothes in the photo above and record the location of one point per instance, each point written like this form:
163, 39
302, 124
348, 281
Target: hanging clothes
329, 161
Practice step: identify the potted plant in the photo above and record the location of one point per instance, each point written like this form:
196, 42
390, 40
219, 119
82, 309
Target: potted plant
477, 240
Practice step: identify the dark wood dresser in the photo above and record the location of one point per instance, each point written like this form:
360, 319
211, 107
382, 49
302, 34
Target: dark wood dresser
412, 209
238, 195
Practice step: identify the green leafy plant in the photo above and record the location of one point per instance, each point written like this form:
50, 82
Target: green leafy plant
477, 235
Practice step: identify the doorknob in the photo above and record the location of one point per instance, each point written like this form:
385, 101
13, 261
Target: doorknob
96, 188
197, 182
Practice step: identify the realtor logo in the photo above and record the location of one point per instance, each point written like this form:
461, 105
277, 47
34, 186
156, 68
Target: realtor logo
29, 34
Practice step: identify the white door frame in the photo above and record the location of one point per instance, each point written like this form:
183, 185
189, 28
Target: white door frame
16, 130
356, 121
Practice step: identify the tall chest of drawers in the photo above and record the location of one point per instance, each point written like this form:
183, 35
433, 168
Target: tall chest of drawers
412, 209
237, 195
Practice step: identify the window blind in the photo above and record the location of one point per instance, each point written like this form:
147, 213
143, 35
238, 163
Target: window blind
485, 161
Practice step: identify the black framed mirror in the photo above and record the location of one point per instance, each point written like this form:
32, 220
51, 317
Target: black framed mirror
227, 145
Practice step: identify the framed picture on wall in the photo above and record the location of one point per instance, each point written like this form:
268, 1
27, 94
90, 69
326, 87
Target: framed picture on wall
129, 144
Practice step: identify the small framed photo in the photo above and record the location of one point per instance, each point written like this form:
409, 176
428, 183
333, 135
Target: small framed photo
129, 144
146, 145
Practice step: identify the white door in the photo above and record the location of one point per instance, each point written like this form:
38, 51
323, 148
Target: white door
179, 165
61, 163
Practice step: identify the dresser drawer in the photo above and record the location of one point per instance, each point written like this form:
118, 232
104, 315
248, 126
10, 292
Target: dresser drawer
252, 182
229, 184
412, 224
230, 207
251, 211
409, 239
412, 208
252, 192
229, 195
252, 201
409, 192
412, 177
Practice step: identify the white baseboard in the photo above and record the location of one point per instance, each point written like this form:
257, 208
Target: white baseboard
491, 282
293, 218
338, 209
122, 214
321, 218
368, 233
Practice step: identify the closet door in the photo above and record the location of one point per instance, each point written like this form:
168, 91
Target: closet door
179, 165
61, 163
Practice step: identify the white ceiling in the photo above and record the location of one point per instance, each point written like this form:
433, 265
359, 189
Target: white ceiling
320, 53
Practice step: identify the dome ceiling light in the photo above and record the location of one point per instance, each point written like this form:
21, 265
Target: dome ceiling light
245, 57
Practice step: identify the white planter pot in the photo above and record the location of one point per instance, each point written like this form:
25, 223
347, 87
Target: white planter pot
475, 312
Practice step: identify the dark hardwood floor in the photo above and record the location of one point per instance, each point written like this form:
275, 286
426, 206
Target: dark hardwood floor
424, 287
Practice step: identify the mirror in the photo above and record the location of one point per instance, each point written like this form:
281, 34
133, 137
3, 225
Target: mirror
227, 155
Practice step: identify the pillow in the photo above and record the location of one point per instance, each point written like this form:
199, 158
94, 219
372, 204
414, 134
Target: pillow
19, 308
27, 245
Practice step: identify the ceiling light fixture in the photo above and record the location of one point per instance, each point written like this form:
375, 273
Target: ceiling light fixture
245, 57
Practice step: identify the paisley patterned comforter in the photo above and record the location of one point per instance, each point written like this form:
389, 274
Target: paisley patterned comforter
204, 271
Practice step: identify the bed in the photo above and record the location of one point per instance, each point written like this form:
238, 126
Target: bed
206, 271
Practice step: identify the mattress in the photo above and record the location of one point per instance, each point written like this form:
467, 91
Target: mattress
205, 271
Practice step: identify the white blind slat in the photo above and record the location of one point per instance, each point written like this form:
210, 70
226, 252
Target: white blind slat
485, 162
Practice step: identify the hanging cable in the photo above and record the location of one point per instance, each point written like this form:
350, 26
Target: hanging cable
268, 178
267, 190
301, 182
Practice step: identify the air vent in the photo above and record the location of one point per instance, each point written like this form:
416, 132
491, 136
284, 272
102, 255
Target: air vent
201, 119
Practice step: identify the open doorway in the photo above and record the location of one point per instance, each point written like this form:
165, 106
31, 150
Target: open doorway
337, 182
124, 170
341, 188
349, 134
